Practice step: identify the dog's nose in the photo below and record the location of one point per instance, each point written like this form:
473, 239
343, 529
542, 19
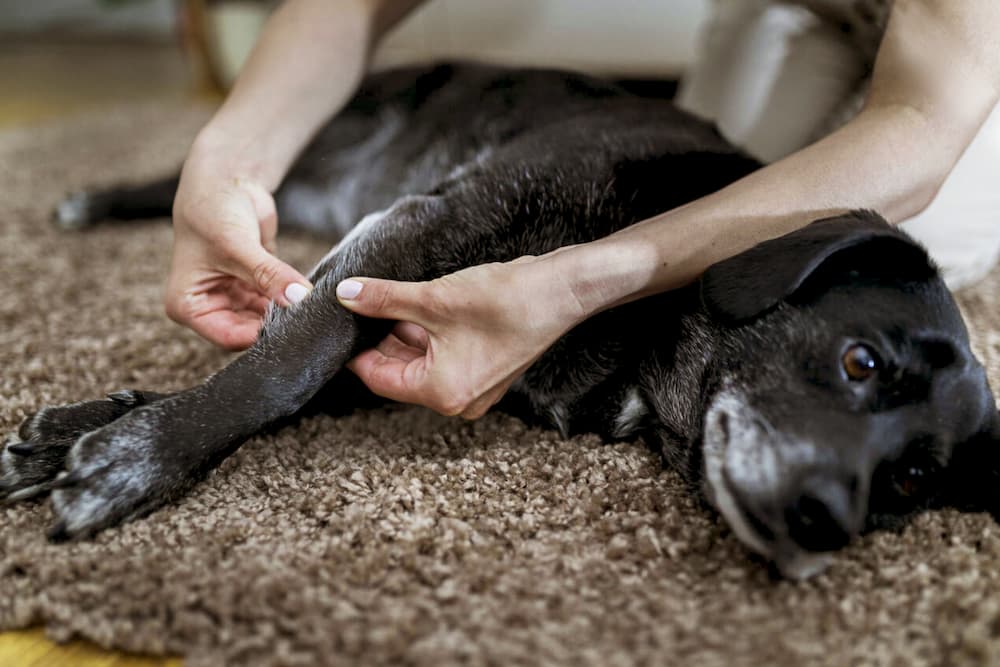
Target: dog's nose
824, 516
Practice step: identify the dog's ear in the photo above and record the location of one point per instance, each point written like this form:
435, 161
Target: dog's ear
857, 244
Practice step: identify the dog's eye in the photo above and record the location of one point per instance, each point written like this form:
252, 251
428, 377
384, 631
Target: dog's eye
860, 362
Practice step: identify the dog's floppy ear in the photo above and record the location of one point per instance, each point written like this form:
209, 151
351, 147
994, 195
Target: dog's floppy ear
751, 283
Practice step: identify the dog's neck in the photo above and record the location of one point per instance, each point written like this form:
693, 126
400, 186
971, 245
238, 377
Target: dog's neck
672, 380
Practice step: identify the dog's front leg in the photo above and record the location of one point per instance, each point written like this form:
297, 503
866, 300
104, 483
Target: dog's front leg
156, 452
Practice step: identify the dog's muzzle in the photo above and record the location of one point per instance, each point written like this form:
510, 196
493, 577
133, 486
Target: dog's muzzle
785, 496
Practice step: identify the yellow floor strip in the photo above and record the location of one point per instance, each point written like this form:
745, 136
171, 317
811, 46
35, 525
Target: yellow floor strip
31, 648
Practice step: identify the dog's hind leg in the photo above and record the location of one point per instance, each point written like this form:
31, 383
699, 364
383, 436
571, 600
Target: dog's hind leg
322, 192
88, 207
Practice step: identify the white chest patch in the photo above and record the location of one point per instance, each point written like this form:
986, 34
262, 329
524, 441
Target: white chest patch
632, 411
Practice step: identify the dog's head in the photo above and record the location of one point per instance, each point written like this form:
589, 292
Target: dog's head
845, 397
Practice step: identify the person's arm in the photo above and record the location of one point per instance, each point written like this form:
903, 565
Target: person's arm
305, 66
936, 79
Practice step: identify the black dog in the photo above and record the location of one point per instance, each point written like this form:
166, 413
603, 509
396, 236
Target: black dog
817, 385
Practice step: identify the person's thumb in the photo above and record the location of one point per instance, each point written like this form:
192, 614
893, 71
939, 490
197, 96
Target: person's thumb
386, 299
273, 278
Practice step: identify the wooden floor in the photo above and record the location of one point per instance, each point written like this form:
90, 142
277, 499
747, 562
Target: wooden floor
45, 78
30, 648
48, 78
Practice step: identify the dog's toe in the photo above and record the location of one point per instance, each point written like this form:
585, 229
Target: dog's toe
84, 509
26, 467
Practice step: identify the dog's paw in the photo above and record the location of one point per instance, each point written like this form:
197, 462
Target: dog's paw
33, 457
119, 472
79, 210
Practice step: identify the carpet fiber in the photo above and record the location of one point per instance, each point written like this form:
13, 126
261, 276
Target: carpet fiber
396, 536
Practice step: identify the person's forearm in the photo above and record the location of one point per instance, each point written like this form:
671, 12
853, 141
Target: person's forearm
934, 86
305, 66
880, 161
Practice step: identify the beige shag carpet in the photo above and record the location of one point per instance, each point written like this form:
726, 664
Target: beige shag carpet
398, 537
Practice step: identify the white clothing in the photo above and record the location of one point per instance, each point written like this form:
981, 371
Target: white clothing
777, 76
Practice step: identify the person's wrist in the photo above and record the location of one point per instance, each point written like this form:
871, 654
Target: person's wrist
223, 154
600, 275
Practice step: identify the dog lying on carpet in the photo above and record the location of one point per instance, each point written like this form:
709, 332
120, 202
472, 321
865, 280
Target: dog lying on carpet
818, 385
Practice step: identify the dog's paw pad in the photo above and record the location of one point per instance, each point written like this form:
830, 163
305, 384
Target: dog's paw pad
79, 210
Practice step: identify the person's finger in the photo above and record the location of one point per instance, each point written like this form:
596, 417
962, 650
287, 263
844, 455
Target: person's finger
278, 281
233, 330
391, 346
412, 334
388, 376
385, 299
259, 305
483, 404
265, 210
409, 382
232, 294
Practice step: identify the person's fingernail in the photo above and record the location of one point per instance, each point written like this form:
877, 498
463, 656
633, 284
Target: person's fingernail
349, 289
295, 292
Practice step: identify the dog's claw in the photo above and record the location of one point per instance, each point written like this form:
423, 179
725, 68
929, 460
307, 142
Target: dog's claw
126, 398
22, 448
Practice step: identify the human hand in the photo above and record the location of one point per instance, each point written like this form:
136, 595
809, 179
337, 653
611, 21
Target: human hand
462, 339
223, 272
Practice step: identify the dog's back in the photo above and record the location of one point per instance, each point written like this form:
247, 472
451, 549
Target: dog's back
420, 130
415, 131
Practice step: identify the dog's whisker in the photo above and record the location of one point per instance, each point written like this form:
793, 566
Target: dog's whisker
125, 398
